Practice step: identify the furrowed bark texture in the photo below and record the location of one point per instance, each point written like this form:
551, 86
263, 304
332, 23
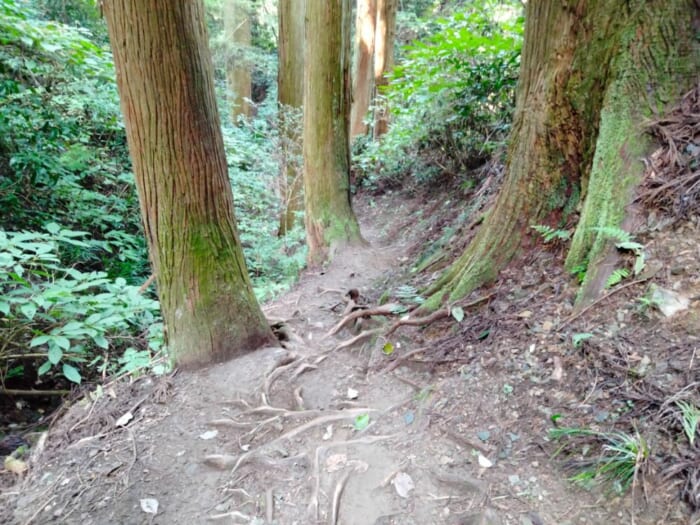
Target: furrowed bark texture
329, 218
383, 59
165, 81
237, 31
591, 71
657, 60
290, 95
363, 77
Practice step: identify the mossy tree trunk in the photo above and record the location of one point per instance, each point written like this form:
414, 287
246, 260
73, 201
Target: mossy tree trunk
236, 15
363, 77
329, 218
165, 82
290, 95
385, 35
591, 73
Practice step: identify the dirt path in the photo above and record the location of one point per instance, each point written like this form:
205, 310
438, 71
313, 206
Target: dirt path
309, 435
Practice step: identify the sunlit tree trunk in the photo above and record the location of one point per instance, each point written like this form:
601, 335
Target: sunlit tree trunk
383, 59
329, 218
363, 77
591, 75
165, 81
290, 95
237, 33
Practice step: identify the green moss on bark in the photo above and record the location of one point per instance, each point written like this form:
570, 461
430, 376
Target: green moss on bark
647, 68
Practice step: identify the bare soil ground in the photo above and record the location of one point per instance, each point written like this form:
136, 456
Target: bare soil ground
450, 428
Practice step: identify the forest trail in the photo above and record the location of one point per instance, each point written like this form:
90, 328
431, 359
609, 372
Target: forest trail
310, 434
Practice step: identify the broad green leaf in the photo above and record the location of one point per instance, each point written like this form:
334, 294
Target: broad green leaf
101, 341
62, 342
39, 340
579, 338
29, 310
52, 228
361, 421
55, 354
71, 373
4, 308
458, 313
44, 368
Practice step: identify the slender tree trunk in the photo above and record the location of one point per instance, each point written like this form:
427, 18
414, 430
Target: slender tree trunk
591, 73
237, 32
329, 218
363, 79
290, 95
383, 60
165, 81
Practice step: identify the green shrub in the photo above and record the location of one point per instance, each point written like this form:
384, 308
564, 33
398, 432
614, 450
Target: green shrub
451, 98
77, 323
63, 154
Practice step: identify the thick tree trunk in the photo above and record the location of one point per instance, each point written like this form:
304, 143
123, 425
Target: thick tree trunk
329, 218
237, 32
383, 60
590, 74
290, 95
363, 77
165, 81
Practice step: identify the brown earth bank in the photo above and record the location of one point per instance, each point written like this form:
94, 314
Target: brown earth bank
477, 415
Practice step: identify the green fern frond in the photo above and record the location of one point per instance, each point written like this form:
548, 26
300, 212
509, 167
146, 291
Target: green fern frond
549, 234
614, 233
617, 276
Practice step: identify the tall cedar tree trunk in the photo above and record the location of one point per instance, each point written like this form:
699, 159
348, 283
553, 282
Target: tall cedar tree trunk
290, 96
363, 77
165, 80
383, 59
592, 72
329, 218
237, 32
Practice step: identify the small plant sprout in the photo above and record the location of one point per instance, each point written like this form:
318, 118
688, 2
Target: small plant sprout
622, 458
579, 338
624, 241
690, 415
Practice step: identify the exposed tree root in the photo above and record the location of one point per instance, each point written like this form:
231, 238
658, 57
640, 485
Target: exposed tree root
358, 337
386, 309
226, 461
275, 371
391, 309
396, 362
337, 493
313, 500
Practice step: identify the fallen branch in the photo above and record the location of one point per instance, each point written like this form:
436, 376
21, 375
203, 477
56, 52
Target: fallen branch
32, 392
601, 299
148, 283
